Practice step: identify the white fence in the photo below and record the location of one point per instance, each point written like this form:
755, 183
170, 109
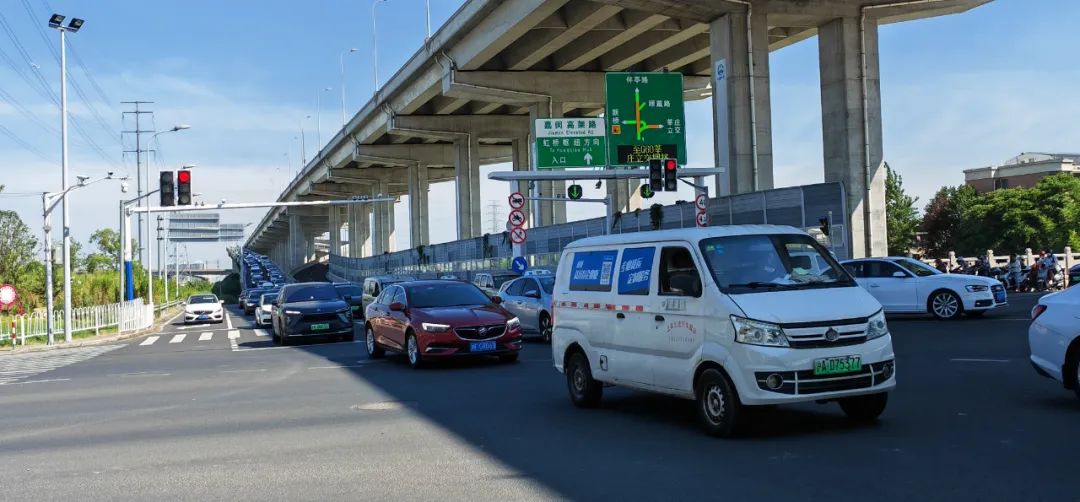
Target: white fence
128, 316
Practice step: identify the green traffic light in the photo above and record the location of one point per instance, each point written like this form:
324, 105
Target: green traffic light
573, 192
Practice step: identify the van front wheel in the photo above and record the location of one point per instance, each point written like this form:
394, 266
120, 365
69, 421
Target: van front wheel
864, 408
584, 391
718, 404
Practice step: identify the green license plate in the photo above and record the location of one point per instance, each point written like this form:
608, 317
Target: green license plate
319, 327
837, 365
356, 307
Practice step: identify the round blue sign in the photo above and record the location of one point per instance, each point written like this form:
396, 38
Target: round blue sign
519, 265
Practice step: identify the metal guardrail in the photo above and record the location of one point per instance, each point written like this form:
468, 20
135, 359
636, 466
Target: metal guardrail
158, 308
127, 316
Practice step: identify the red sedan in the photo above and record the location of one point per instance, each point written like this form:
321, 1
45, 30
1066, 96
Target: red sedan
427, 320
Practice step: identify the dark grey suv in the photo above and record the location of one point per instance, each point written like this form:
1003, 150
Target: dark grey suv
311, 309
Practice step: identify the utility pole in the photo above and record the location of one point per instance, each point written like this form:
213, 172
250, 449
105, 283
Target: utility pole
493, 207
139, 174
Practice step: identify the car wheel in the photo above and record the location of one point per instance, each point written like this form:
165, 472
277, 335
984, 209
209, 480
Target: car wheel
509, 358
545, 327
373, 349
946, 305
864, 408
412, 351
718, 404
584, 391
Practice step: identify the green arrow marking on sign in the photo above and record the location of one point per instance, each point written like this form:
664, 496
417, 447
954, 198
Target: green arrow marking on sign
570, 142
645, 110
573, 192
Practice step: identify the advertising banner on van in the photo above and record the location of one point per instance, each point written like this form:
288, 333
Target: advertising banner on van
592, 270
635, 271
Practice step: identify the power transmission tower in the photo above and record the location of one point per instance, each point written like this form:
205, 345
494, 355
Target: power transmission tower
138, 151
493, 207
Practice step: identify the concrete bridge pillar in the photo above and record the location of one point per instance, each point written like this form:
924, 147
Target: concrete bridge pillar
735, 112
295, 242
549, 213
359, 230
334, 222
624, 194
522, 161
851, 128
467, 175
418, 205
382, 222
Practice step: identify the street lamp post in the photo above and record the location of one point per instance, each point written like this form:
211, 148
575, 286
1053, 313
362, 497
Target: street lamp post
318, 119
56, 21
149, 254
375, 44
342, 59
48, 203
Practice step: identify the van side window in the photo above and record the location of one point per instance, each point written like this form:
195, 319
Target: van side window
635, 270
678, 274
592, 270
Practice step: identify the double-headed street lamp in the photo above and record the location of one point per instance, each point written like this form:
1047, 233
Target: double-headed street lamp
318, 119
48, 203
342, 59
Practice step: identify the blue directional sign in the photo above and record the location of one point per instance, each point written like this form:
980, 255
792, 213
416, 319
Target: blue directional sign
519, 265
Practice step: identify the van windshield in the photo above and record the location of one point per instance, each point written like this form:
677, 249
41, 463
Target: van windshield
756, 263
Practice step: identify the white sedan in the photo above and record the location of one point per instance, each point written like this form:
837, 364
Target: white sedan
1054, 338
203, 308
908, 286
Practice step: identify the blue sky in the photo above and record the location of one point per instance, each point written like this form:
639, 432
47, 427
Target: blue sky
957, 92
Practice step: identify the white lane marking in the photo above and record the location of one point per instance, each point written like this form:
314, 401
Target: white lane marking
206, 336
244, 371
234, 334
183, 327
178, 338
977, 360
140, 374
20, 366
150, 340
228, 320
42, 381
261, 332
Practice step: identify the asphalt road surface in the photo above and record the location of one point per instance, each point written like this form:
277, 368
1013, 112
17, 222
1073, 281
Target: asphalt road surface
198, 415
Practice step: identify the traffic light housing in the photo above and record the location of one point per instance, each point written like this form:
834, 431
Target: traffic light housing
671, 175
824, 222
183, 188
656, 175
166, 189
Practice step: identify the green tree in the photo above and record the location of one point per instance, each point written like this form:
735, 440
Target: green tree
901, 217
17, 249
944, 220
107, 255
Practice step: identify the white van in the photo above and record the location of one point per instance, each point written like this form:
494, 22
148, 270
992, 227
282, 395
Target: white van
725, 315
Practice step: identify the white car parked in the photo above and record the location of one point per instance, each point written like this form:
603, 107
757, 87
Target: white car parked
908, 286
1054, 338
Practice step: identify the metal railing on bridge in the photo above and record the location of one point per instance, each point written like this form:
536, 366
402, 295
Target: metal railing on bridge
800, 207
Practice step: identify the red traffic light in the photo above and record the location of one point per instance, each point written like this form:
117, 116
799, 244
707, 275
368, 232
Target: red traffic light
183, 176
670, 165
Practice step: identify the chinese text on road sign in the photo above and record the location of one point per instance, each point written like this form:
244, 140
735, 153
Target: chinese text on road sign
646, 117
577, 142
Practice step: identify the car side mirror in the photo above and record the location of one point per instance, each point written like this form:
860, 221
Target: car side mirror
532, 293
183, 303
221, 302
899, 274
496, 300
397, 307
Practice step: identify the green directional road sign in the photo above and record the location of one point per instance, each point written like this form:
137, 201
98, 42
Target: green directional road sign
573, 192
645, 117
562, 143
647, 191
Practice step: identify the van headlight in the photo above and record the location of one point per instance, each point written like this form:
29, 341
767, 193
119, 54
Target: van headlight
754, 332
876, 327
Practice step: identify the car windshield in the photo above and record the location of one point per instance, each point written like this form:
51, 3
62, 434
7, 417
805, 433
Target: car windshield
203, 299
446, 295
548, 283
312, 293
753, 263
256, 292
916, 267
349, 290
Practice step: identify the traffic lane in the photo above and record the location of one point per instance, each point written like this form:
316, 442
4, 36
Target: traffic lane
977, 430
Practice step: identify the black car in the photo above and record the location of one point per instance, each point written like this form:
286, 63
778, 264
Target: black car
1074, 275
251, 299
353, 295
311, 309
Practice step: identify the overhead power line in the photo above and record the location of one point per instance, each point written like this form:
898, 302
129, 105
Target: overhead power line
26, 146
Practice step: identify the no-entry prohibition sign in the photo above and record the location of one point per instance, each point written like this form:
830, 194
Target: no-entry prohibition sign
8, 295
518, 235
517, 218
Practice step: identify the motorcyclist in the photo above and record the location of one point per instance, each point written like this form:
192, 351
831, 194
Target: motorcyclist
1015, 270
982, 267
1050, 264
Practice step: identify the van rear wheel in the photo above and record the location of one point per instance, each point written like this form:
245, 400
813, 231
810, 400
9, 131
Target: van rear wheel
864, 408
718, 404
584, 391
